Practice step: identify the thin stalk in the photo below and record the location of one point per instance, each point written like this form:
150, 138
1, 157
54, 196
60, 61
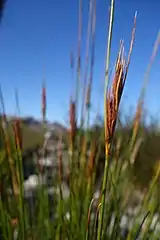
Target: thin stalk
143, 91
86, 61
101, 215
88, 218
95, 226
89, 90
20, 175
79, 54
85, 111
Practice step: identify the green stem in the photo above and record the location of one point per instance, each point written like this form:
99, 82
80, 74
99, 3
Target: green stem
104, 185
100, 225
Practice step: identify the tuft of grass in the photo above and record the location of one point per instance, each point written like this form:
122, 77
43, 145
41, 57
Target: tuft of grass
79, 212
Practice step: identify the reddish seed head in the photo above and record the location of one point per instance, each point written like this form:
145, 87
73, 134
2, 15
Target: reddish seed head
17, 133
114, 95
73, 122
113, 100
43, 102
14, 222
88, 96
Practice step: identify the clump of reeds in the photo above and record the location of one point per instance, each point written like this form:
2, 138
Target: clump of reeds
111, 104
82, 215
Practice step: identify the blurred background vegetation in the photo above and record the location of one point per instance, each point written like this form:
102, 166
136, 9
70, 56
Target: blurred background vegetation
148, 153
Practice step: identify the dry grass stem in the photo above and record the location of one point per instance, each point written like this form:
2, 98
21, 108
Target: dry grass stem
73, 123
87, 57
146, 77
88, 97
136, 122
139, 109
79, 43
43, 102
17, 133
89, 213
135, 150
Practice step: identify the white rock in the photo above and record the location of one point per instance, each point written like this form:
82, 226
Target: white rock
15, 234
96, 195
111, 224
130, 211
32, 182
154, 220
124, 221
47, 162
68, 215
47, 135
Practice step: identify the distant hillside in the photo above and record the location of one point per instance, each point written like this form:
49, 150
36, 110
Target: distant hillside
32, 137
33, 130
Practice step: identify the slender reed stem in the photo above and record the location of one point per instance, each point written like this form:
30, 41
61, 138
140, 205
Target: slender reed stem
101, 215
86, 60
79, 54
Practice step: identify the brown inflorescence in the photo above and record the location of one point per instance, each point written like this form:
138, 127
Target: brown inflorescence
88, 96
115, 93
113, 98
73, 122
18, 133
14, 174
14, 222
91, 160
44, 102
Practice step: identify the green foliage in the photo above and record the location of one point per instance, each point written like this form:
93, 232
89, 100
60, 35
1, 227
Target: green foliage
78, 216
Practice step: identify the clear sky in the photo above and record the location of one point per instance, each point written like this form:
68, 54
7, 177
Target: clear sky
40, 34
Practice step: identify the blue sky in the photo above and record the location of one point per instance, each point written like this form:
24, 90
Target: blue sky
36, 38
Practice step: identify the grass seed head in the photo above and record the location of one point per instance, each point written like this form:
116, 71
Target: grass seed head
44, 102
17, 133
73, 122
88, 96
113, 98
114, 94
91, 160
